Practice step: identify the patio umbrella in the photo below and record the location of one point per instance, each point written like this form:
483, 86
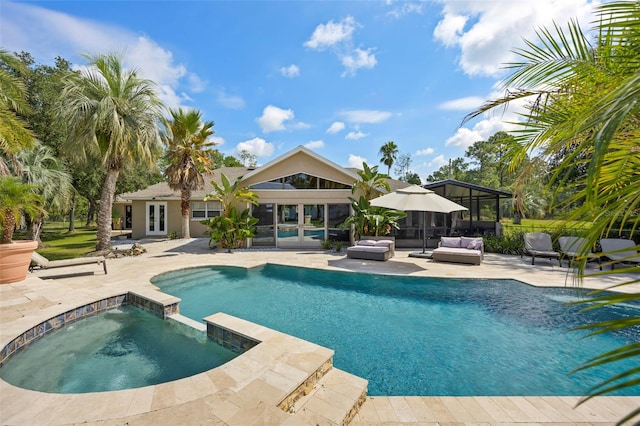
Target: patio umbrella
417, 198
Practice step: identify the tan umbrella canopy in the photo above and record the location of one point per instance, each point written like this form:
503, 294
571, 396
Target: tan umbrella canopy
417, 198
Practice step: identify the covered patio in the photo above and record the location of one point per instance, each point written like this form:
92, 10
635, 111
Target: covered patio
482, 218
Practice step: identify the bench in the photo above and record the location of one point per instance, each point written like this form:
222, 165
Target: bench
459, 250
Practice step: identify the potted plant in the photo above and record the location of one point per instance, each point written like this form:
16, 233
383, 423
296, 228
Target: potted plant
16, 198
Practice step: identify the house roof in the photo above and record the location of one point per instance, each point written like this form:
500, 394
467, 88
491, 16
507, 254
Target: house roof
161, 191
451, 188
306, 151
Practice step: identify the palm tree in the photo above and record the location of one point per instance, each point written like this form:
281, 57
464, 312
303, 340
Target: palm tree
42, 169
111, 114
389, 152
14, 134
188, 157
371, 182
583, 110
16, 198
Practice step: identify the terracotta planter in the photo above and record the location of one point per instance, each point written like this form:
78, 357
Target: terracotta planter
15, 259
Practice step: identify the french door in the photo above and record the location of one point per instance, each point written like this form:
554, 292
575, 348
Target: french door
300, 225
156, 219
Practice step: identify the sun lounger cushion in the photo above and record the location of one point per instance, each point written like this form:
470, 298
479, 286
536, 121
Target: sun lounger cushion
620, 250
372, 250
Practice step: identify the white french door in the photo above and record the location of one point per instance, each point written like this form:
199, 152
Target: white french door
156, 219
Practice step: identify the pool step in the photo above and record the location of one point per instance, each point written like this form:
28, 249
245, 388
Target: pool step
334, 400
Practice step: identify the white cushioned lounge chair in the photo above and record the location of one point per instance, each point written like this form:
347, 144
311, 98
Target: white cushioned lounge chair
620, 250
38, 261
538, 244
575, 247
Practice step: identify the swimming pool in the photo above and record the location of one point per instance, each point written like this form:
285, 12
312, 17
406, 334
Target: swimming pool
413, 335
118, 349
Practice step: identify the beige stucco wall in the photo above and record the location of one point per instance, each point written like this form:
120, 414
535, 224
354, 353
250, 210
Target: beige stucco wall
299, 163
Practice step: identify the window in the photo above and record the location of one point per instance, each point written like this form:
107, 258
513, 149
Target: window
300, 181
200, 210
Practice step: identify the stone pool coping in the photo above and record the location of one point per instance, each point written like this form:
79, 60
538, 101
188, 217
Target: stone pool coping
248, 389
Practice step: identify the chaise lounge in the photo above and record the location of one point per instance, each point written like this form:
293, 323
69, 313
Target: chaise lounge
372, 249
620, 250
40, 262
538, 244
459, 250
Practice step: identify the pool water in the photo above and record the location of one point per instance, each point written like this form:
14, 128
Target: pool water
415, 335
118, 349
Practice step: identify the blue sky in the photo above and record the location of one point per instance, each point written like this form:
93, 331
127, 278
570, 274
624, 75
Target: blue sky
341, 78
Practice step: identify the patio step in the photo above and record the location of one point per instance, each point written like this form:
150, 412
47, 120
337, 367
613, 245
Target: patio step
334, 400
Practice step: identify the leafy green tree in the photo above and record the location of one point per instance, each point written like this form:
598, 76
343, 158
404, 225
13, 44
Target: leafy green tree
111, 114
232, 227
371, 220
16, 198
412, 178
14, 132
187, 141
220, 160
47, 173
371, 182
248, 159
456, 169
582, 108
389, 152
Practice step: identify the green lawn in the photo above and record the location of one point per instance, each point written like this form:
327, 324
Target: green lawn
60, 244
541, 225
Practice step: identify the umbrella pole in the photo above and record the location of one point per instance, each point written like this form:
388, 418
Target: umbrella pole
424, 232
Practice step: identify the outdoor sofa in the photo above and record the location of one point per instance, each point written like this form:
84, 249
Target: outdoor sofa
459, 250
38, 261
372, 248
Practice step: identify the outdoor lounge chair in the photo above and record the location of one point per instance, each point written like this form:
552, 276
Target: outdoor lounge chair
571, 248
620, 250
40, 262
538, 244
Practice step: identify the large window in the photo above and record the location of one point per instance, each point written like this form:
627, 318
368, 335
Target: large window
201, 210
338, 213
300, 181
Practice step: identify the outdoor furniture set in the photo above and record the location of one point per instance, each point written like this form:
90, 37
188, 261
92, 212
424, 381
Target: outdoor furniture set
615, 250
459, 250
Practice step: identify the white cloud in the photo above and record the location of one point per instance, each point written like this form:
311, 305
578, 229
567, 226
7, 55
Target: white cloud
486, 39
217, 140
331, 33
290, 71
358, 59
481, 131
462, 104
273, 118
229, 101
256, 146
356, 161
46, 34
437, 162
336, 127
406, 8
314, 144
365, 116
426, 151
356, 135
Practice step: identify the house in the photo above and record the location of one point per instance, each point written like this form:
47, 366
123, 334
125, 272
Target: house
303, 200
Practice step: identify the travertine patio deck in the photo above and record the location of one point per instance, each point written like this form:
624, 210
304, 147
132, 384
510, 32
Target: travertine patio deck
247, 390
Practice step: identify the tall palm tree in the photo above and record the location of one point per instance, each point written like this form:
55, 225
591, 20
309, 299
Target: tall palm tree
371, 182
188, 156
14, 134
111, 114
389, 152
42, 169
583, 109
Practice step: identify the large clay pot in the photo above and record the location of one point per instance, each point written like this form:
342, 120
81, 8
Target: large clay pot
15, 259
